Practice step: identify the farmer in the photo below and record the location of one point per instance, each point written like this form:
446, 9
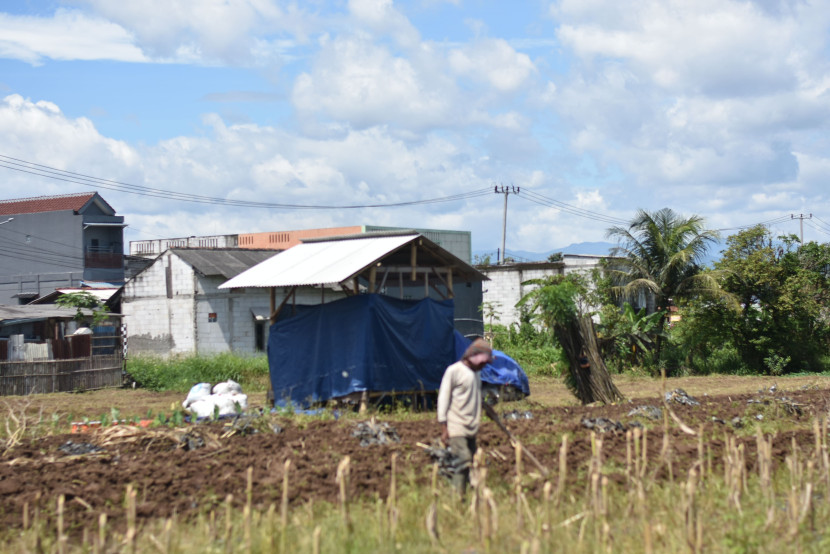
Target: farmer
459, 408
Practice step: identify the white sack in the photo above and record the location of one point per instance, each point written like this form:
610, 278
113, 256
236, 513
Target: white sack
197, 392
203, 407
226, 403
228, 387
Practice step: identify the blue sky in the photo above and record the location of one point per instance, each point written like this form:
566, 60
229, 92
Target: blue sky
594, 108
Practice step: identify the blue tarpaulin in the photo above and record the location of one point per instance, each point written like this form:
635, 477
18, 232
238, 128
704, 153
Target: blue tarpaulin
367, 342
503, 370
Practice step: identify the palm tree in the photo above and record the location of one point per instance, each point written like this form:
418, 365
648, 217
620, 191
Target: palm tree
662, 253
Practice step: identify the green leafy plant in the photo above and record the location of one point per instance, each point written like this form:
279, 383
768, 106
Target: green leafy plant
776, 364
84, 300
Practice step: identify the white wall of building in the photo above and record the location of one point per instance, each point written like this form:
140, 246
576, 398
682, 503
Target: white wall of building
196, 317
156, 323
504, 289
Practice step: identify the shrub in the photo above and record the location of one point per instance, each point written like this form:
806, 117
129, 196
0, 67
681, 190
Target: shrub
534, 350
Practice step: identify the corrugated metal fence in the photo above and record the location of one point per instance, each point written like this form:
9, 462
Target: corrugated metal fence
86, 362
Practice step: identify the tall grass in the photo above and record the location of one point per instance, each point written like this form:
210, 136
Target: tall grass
179, 374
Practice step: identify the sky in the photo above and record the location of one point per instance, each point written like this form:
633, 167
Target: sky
211, 117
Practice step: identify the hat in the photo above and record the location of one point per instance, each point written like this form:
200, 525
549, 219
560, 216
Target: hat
478, 346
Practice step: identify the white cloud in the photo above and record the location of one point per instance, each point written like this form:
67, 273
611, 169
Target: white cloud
246, 162
713, 47
244, 32
381, 17
703, 106
69, 35
356, 80
211, 29
39, 131
696, 104
495, 62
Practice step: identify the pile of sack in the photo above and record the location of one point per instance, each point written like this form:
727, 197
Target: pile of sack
223, 399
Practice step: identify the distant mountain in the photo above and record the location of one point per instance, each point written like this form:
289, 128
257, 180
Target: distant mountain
593, 248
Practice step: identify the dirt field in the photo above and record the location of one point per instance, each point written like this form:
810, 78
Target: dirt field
545, 391
193, 470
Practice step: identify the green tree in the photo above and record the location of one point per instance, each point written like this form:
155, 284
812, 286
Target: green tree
84, 300
560, 304
556, 257
661, 253
784, 293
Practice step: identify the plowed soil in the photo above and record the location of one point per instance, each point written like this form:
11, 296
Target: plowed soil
170, 479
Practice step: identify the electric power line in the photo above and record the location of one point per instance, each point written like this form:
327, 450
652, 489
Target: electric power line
774, 221
822, 224
572, 210
49, 172
818, 228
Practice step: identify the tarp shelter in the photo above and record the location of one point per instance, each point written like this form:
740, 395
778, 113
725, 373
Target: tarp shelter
368, 342
388, 344
502, 371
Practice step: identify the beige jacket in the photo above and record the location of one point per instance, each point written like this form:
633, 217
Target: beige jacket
459, 400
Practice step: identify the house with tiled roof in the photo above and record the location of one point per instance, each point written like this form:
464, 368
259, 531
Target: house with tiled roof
51, 242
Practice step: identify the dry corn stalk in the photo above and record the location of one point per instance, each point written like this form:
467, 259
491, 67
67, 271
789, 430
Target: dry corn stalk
342, 479
102, 532
284, 504
431, 520
315, 541
228, 522
517, 486
563, 469
61, 537
131, 518
694, 526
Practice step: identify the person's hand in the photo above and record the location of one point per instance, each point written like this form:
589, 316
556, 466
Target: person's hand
445, 435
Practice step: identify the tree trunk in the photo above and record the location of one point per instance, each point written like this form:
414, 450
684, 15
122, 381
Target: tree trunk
593, 383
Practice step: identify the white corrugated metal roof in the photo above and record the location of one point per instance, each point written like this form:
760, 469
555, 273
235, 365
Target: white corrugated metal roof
101, 294
318, 263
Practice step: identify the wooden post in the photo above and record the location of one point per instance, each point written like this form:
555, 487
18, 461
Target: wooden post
426, 284
373, 274
364, 402
273, 300
356, 286
413, 260
276, 312
450, 292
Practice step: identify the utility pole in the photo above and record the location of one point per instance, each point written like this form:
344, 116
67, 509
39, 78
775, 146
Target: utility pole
801, 218
506, 191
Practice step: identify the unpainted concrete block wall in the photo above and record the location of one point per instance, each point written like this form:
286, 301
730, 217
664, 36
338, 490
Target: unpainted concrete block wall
505, 289
155, 323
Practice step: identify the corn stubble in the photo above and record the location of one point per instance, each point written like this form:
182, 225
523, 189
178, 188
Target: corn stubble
751, 502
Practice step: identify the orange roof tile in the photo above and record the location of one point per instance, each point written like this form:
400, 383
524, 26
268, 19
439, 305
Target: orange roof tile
40, 204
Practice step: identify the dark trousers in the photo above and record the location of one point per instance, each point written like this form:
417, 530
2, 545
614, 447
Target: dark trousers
463, 449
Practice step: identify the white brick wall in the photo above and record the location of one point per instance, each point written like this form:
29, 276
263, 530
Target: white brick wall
156, 323
235, 325
160, 325
504, 289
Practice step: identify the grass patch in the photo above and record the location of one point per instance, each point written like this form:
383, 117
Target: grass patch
179, 374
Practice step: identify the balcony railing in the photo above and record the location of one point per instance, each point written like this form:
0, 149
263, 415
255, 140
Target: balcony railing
100, 257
